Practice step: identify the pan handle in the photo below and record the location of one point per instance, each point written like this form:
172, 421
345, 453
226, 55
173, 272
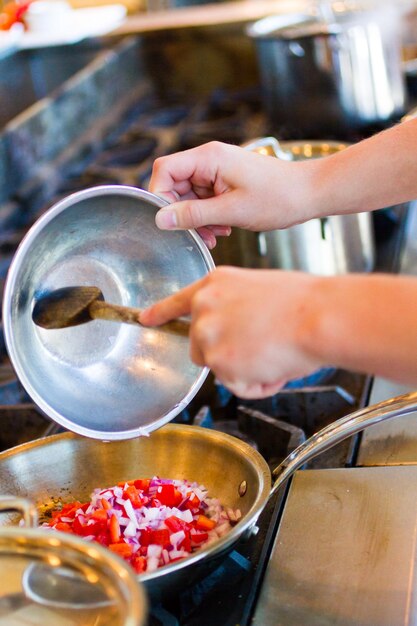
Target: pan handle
341, 429
25, 507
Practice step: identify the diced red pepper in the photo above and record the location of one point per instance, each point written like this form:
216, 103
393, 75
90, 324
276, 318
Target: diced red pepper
169, 495
114, 529
101, 523
70, 509
160, 537
142, 483
139, 564
192, 502
79, 528
204, 523
175, 524
63, 526
198, 536
100, 515
122, 549
126, 482
186, 542
145, 537
103, 538
84, 529
105, 504
132, 494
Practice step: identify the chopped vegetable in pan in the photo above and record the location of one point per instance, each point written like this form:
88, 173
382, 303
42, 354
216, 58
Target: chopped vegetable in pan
148, 522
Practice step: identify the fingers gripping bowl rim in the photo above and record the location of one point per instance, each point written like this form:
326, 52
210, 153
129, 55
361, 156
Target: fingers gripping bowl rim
104, 380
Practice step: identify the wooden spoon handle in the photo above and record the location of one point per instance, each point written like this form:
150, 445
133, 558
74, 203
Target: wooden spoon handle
129, 315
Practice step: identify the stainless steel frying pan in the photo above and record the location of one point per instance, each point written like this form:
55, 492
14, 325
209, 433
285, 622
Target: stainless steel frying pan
66, 467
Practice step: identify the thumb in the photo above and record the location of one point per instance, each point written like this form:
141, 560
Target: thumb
196, 213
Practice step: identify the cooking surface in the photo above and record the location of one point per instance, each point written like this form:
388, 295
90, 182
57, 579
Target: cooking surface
346, 551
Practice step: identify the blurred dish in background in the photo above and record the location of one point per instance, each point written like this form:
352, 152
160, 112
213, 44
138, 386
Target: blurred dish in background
11, 13
331, 78
44, 16
52, 23
9, 39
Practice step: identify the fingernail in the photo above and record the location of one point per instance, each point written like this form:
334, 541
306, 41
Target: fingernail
143, 315
169, 196
166, 218
210, 242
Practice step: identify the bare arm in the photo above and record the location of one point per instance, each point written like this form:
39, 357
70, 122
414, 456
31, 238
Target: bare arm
219, 186
367, 323
375, 173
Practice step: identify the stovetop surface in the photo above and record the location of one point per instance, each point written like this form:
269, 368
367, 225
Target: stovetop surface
345, 552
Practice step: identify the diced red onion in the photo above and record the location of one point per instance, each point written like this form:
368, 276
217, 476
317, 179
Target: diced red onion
154, 551
133, 521
152, 564
178, 554
222, 529
130, 512
130, 530
177, 537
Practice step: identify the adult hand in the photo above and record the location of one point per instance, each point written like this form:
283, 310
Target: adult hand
250, 327
216, 186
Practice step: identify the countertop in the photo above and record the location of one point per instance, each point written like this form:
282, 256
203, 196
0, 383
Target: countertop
215, 14
345, 553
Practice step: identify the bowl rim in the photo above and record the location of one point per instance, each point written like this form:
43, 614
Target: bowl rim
9, 289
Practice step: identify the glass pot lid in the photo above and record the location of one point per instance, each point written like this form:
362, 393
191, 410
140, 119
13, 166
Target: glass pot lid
48, 578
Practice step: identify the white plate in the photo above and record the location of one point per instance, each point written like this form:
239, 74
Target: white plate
9, 39
89, 22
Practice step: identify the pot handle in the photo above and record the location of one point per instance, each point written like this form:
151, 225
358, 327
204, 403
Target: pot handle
260, 143
25, 507
341, 429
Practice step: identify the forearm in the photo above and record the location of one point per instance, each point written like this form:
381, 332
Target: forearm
372, 174
365, 324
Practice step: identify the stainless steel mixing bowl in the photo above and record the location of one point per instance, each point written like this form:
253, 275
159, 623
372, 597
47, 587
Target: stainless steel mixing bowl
102, 379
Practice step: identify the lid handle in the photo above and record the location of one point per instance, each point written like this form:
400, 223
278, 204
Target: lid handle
258, 145
25, 507
341, 429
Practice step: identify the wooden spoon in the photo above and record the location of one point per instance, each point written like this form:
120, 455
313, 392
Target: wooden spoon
71, 306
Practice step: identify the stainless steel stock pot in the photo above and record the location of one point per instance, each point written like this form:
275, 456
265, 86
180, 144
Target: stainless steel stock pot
326, 246
323, 79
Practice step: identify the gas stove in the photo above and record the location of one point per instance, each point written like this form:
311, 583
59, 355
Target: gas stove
152, 127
